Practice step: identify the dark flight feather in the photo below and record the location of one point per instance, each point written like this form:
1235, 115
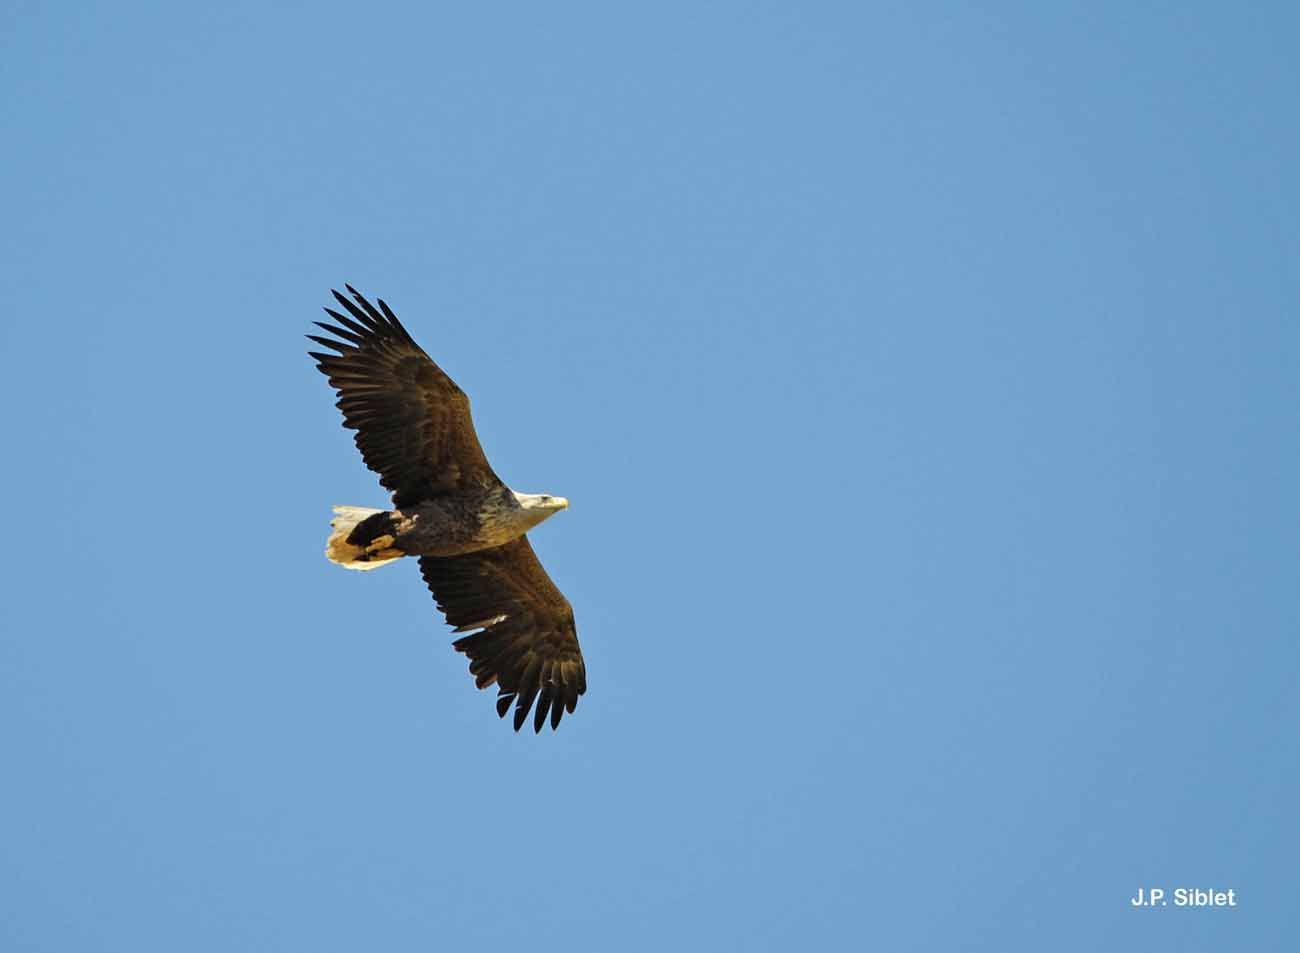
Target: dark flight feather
534, 649
413, 423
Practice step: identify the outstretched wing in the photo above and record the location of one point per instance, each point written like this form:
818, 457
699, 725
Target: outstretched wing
412, 421
528, 643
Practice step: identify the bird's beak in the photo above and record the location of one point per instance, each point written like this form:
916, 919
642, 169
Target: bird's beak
560, 503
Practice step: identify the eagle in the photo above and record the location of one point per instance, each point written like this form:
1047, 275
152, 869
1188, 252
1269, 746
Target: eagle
450, 511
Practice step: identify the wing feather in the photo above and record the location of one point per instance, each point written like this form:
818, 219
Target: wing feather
527, 644
413, 424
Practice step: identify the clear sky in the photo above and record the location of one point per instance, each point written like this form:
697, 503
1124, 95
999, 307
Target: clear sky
924, 379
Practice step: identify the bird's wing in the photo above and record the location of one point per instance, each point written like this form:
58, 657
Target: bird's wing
413, 423
528, 643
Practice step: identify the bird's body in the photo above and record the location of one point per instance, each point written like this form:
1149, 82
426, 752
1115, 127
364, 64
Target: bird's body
450, 525
452, 512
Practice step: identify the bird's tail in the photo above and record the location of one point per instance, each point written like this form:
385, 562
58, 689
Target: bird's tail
362, 538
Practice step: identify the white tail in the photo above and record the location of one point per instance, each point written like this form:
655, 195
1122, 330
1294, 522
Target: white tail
338, 550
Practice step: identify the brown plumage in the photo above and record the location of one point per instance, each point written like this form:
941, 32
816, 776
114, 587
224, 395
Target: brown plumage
413, 428
533, 651
413, 423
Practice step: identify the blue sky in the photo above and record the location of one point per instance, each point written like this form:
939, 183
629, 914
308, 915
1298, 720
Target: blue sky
924, 380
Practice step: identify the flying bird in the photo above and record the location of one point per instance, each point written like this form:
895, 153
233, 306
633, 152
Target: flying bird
450, 511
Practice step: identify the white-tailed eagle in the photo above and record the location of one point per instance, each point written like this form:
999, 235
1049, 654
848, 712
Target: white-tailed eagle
451, 511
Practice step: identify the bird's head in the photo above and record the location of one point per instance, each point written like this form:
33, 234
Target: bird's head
542, 504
